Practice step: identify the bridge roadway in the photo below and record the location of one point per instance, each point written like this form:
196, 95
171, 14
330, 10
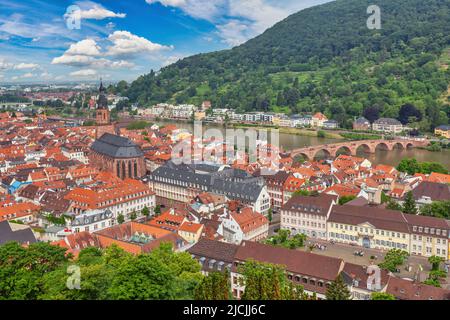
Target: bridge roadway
352, 147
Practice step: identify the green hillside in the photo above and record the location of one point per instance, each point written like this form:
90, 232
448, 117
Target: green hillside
325, 59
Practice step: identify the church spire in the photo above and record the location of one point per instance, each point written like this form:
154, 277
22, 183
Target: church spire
102, 102
102, 88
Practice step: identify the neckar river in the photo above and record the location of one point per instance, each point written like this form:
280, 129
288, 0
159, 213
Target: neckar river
293, 141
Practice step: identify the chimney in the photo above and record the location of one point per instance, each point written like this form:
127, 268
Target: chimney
172, 211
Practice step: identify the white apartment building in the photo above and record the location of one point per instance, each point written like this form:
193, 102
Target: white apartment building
308, 215
92, 221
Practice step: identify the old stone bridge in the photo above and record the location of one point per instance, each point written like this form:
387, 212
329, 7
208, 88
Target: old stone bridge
352, 147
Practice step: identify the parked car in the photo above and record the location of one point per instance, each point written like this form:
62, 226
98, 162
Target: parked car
359, 253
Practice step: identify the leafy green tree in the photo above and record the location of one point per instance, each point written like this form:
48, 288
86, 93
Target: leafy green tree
382, 296
186, 269
133, 215
138, 125
120, 219
157, 210
270, 215
438, 209
393, 205
94, 283
371, 113
433, 282
435, 262
338, 290
384, 198
297, 241
409, 113
429, 167
409, 205
434, 278
22, 269
410, 166
145, 211
215, 286
301, 193
265, 281
162, 274
344, 199
393, 259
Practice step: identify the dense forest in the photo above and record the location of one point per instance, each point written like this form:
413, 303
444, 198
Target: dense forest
326, 59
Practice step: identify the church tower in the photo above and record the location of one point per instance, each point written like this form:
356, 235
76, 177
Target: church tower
103, 116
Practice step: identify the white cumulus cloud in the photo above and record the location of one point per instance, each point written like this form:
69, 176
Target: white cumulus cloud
74, 60
24, 66
126, 43
237, 21
94, 11
87, 47
84, 73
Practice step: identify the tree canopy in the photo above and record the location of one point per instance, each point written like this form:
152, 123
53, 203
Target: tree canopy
41, 272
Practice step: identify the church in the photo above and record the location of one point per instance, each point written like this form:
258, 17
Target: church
111, 152
118, 155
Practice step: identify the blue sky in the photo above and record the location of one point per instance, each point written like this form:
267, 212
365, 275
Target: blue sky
121, 39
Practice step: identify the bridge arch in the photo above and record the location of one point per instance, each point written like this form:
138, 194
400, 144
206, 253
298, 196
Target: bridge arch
398, 145
409, 145
382, 146
364, 147
323, 151
343, 150
299, 156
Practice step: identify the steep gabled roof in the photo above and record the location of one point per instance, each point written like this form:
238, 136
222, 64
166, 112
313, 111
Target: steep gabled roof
116, 147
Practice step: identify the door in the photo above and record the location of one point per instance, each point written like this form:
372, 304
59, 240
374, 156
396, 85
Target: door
366, 242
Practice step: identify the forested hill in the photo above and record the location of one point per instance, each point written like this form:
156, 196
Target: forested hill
325, 59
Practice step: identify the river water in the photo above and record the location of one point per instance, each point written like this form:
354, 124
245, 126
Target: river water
292, 141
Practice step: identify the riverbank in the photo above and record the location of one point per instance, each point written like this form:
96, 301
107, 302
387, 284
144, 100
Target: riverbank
294, 138
293, 131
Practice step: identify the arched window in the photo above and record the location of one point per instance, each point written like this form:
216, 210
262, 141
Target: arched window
135, 170
123, 170
118, 169
129, 170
